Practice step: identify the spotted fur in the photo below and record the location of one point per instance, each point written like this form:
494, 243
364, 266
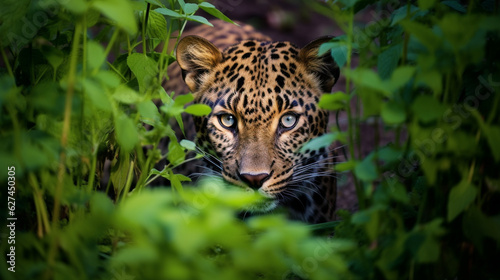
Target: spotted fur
264, 98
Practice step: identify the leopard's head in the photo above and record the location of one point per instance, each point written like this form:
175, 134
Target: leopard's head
264, 99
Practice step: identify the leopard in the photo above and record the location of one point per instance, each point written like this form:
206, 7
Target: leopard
263, 96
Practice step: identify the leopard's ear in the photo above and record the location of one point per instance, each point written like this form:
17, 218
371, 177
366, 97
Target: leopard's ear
196, 56
323, 67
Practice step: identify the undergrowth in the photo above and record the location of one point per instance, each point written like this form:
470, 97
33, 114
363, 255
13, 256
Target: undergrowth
80, 131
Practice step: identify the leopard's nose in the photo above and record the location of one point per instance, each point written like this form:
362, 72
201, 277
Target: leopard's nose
255, 181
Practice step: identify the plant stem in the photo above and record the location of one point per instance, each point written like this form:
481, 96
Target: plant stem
359, 191
129, 48
145, 169
447, 88
93, 167
41, 208
163, 68
406, 39
473, 165
6, 62
129, 181
108, 48
493, 112
144, 26
64, 140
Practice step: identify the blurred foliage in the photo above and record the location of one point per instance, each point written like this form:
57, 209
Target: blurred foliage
428, 73
79, 123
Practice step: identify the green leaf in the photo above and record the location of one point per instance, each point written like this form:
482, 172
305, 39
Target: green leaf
432, 79
211, 9
148, 110
184, 99
370, 218
429, 250
53, 55
492, 134
423, 34
368, 78
190, 8
126, 133
322, 141
430, 168
372, 101
97, 94
176, 153
388, 60
108, 78
338, 51
345, 166
389, 154
95, 55
75, 6
189, 145
401, 76
459, 30
334, 101
339, 54
199, 19
401, 13
155, 2
325, 47
119, 172
157, 26
119, 11
144, 68
461, 196
366, 170
455, 5
398, 192
126, 95
427, 108
393, 112
168, 12
426, 4
198, 109
349, 3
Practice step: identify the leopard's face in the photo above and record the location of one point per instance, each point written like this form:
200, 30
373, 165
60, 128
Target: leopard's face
264, 99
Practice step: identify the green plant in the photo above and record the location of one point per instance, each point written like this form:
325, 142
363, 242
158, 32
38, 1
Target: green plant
428, 199
77, 94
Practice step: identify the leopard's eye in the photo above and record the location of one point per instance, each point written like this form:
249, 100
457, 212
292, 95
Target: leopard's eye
288, 121
227, 120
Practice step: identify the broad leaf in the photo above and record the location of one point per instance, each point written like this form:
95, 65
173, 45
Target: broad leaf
211, 9
322, 141
119, 11
461, 196
198, 109
126, 133
393, 112
199, 19
366, 170
334, 101
157, 26
168, 12
144, 68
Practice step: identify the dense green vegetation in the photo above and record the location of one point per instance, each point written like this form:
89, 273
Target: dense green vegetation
77, 91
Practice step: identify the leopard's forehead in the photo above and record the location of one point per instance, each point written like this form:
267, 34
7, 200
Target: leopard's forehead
259, 80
